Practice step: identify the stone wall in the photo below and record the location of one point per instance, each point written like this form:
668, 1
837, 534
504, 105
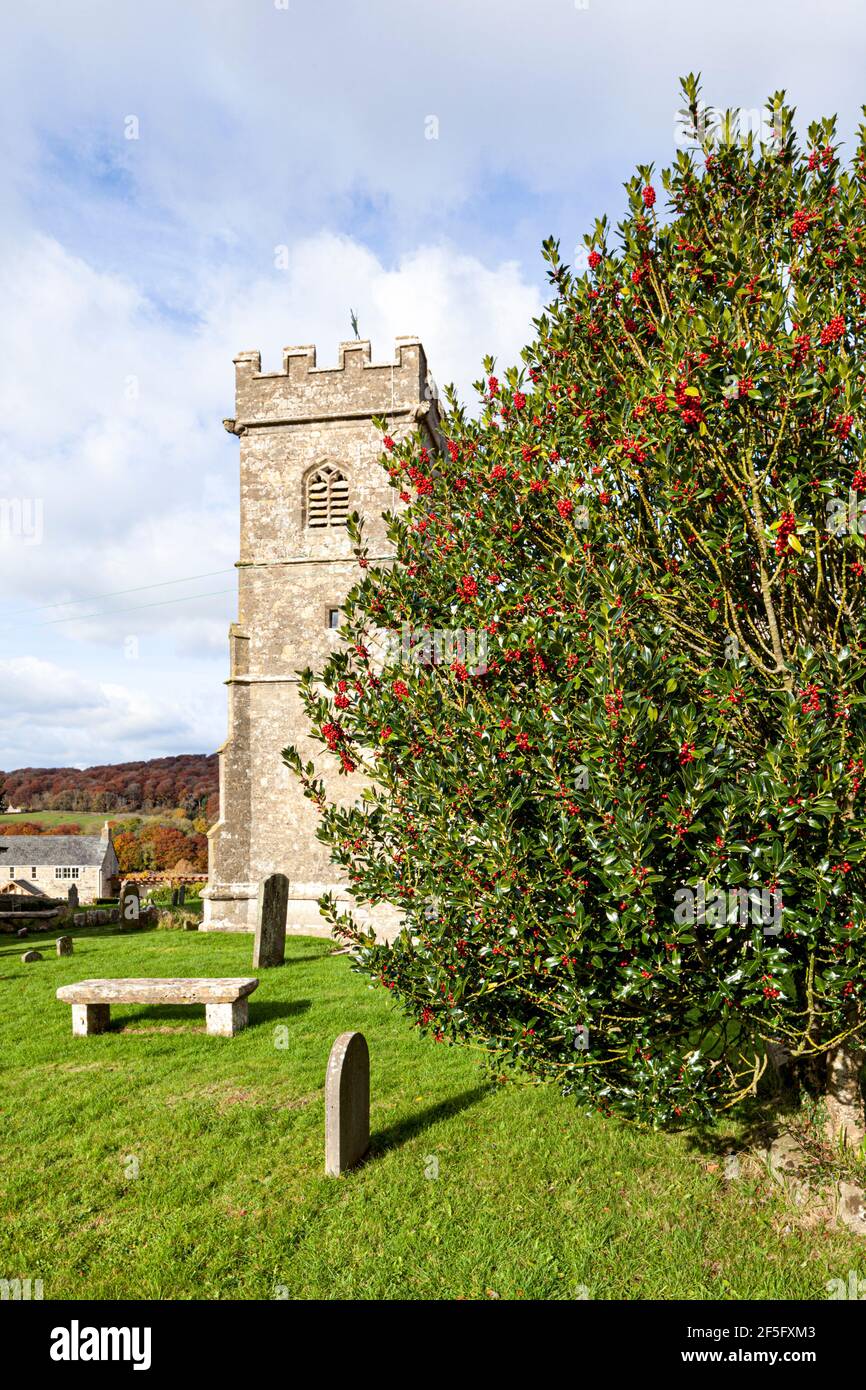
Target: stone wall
290, 575
88, 883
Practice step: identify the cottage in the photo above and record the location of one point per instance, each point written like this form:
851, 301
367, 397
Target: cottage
48, 865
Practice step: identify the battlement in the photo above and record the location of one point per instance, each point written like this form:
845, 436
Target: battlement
355, 387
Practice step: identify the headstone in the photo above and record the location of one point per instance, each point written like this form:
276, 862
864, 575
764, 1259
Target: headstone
31, 955
64, 945
129, 910
347, 1104
22, 931
174, 896
72, 896
273, 904
181, 897
852, 1207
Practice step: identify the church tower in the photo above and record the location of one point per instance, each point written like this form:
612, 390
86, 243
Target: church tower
309, 455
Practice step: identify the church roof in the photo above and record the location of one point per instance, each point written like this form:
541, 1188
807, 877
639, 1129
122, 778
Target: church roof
52, 849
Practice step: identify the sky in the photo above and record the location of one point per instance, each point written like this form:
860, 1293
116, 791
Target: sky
184, 181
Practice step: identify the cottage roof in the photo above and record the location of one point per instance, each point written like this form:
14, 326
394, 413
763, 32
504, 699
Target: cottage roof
83, 850
21, 885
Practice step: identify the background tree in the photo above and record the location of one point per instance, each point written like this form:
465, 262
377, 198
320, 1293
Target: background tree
654, 527
186, 780
129, 852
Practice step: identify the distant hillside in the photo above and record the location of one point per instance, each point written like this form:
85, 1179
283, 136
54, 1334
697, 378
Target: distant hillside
186, 782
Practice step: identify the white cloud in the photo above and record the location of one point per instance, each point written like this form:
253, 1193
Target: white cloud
135, 490
131, 271
54, 716
253, 117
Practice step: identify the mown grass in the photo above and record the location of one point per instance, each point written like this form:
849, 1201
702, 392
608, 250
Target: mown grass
158, 1162
91, 822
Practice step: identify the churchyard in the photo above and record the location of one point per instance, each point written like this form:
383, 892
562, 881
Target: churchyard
155, 1161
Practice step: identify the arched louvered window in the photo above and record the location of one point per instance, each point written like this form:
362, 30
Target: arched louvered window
327, 497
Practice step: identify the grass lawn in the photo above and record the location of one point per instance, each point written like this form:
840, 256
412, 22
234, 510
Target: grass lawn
157, 1162
91, 822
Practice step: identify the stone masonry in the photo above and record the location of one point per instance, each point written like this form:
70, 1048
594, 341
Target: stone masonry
309, 454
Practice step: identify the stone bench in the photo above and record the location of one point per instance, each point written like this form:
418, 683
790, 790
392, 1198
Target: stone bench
226, 1001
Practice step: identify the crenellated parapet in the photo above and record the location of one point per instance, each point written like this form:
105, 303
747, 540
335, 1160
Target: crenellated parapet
354, 388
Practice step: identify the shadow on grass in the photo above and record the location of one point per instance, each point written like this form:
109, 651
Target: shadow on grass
404, 1130
269, 1009
46, 940
311, 958
761, 1120
265, 1012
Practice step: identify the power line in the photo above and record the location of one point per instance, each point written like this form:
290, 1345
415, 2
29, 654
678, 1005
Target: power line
115, 593
113, 612
278, 574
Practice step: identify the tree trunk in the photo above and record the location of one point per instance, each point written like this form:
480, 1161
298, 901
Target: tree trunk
843, 1096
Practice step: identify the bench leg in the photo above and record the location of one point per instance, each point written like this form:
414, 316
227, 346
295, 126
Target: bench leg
224, 1020
90, 1018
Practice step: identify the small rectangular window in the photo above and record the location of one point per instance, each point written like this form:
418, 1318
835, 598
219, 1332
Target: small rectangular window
333, 618
33, 871
11, 871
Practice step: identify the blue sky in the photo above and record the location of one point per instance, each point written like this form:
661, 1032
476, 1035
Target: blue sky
133, 269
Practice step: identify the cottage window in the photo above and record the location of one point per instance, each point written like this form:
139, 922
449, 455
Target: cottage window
11, 871
66, 871
327, 500
33, 871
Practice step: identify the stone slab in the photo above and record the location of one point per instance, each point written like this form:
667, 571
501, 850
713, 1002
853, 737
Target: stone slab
162, 991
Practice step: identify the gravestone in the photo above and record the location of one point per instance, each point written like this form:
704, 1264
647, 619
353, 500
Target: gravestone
270, 944
31, 955
347, 1104
22, 931
129, 910
181, 897
64, 945
72, 897
174, 897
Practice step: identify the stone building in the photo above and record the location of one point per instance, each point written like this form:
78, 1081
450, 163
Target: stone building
309, 455
48, 865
